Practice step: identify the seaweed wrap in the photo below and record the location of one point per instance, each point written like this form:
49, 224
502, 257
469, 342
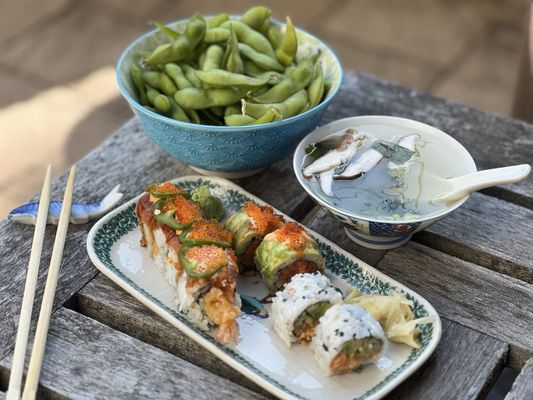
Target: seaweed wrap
345, 338
286, 252
298, 307
249, 226
195, 256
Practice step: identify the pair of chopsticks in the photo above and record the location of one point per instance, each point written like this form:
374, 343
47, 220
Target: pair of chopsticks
39, 343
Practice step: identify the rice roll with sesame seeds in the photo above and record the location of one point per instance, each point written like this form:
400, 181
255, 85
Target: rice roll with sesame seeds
287, 251
346, 338
249, 226
298, 307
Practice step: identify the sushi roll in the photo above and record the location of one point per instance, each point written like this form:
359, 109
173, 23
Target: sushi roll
206, 291
345, 338
162, 212
249, 226
298, 307
194, 255
286, 252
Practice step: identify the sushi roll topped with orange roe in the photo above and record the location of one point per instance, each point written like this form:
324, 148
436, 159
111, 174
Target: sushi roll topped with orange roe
249, 226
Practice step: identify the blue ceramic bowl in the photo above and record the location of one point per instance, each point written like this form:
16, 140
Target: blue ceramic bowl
231, 152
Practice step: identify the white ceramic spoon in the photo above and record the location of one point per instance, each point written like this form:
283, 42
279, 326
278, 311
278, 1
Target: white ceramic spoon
462, 186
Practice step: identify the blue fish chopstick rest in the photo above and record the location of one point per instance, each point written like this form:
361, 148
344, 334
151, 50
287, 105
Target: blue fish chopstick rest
81, 212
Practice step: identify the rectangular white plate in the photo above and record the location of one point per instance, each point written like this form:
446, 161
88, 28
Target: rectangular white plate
113, 246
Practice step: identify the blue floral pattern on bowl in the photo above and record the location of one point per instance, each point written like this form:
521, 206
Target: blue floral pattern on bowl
223, 148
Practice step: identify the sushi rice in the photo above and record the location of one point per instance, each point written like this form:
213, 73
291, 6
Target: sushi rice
301, 292
339, 325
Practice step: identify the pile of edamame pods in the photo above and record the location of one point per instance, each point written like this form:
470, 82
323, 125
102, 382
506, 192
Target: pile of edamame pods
235, 72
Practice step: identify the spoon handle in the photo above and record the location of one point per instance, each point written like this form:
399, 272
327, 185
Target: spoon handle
466, 184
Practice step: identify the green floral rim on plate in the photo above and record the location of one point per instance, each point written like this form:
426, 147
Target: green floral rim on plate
336, 263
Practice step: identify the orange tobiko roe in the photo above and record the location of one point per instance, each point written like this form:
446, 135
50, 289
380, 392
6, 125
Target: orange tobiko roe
209, 230
208, 257
186, 210
263, 218
292, 235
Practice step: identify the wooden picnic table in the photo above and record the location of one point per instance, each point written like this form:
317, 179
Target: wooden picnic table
475, 267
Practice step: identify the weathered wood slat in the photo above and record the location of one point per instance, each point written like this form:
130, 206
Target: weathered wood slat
464, 366
523, 386
484, 300
489, 232
492, 140
86, 359
104, 301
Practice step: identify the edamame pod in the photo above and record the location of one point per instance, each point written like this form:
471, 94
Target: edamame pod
264, 27
182, 46
177, 113
273, 77
176, 74
286, 51
167, 85
213, 58
195, 30
289, 108
233, 109
260, 59
296, 81
138, 81
238, 120
256, 16
316, 88
165, 29
158, 100
152, 78
220, 78
216, 35
271, 115
252, 38
193, 115
232, 57
190, 74
193, 98
217, 20
274, 36
251, 69
170, 52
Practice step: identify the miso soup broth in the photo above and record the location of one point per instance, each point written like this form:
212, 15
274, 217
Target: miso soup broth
387, 194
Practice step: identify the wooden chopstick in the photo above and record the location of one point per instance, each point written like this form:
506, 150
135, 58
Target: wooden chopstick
39, 343
17, 367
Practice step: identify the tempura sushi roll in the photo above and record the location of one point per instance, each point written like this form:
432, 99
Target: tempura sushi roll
163, 212
206, 291
249, 226
286, 252
194, 254
298, 307
345, 338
